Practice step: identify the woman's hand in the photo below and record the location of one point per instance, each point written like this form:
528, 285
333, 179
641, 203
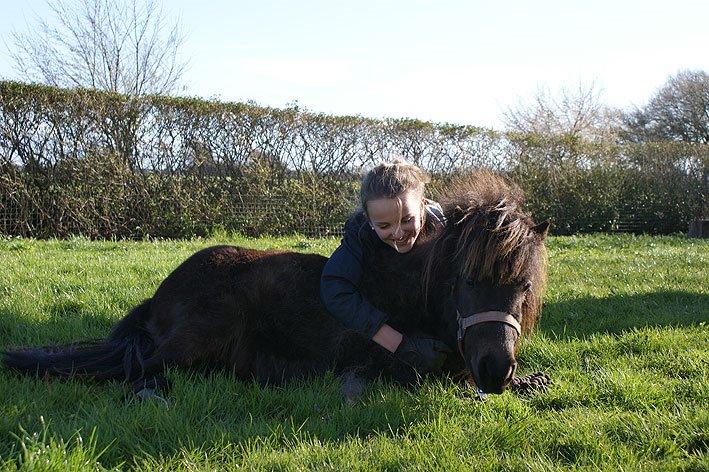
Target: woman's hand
423, 354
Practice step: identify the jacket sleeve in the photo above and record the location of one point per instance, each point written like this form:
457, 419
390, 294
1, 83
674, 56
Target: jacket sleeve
340, 289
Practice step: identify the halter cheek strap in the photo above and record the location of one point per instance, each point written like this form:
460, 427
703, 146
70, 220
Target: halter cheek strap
485, 317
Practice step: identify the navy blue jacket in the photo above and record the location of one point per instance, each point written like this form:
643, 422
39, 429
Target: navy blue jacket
340, 281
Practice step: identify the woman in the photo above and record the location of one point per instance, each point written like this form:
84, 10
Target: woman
394, 213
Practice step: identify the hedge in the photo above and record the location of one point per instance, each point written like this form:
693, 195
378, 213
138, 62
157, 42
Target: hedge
111, 166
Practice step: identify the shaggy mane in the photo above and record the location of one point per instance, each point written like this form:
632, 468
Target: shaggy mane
491, 238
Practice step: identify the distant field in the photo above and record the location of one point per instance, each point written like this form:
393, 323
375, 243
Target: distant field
624, 335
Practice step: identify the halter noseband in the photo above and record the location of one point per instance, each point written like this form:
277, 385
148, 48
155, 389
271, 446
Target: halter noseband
484, 317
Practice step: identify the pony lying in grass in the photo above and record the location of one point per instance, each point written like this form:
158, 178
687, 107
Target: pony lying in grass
476, 285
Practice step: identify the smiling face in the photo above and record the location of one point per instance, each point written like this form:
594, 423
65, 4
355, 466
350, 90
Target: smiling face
397, 221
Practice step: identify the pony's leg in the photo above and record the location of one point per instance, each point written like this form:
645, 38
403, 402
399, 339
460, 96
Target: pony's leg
269, 369
153, 380
156, 382
149, 388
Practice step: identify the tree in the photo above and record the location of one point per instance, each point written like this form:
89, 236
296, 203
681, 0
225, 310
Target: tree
120, 46
679, 111
578, 113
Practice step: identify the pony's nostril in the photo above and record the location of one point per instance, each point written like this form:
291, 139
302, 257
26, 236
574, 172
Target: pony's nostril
483, 367
496, 373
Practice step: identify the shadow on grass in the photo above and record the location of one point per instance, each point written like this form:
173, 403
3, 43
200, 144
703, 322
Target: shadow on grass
584, 316
68, 321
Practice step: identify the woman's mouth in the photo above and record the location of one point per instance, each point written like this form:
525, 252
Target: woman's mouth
402, 242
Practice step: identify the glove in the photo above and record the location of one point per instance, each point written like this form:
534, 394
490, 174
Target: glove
423, 354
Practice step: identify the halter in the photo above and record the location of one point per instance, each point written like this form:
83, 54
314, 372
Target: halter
484, 317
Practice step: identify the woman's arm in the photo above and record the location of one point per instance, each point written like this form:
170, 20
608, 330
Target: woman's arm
339, 290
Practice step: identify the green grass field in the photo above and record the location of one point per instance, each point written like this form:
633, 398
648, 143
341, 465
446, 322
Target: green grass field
624, 335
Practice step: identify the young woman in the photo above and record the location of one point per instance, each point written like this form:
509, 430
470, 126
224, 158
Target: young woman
394, 213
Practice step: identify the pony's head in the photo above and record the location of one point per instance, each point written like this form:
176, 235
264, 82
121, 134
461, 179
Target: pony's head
494, 255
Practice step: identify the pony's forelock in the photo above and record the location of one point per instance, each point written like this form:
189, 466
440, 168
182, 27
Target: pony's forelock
490, 238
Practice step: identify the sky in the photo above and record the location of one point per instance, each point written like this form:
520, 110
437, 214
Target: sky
462, 62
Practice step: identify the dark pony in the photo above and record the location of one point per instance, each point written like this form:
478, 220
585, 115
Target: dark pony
475, 284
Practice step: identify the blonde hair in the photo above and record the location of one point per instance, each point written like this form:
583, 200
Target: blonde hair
390, 180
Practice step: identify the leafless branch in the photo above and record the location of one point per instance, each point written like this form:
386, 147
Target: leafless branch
123, 46
576, 112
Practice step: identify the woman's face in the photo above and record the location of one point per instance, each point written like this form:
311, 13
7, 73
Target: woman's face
397, 221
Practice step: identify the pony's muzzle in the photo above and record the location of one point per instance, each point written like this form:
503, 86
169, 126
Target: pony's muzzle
490, 355
495, 373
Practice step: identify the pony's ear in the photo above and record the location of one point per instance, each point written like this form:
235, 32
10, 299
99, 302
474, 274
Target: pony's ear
542, 229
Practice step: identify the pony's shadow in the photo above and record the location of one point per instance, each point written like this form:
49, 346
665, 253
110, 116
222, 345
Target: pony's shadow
67, 321
580, 317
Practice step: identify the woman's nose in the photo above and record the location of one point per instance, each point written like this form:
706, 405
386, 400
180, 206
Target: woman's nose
398, 232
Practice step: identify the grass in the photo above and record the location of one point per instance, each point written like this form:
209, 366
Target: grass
624, 335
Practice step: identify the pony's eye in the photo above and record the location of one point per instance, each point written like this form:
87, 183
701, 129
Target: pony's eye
527, 286
469, 282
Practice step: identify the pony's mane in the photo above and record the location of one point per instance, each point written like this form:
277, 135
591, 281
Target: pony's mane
489, 237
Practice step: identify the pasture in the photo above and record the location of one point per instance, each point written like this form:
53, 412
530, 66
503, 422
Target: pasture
624, 335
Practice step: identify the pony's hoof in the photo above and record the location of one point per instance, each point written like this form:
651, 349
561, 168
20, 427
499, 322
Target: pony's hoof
353, 387
150, 394
529, 384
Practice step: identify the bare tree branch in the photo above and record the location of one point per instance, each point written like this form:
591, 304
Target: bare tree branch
578, 112
120, 46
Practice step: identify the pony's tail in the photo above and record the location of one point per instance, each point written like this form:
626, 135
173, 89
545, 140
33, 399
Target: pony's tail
120, 356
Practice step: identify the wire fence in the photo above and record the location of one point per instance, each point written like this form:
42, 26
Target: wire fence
253, 217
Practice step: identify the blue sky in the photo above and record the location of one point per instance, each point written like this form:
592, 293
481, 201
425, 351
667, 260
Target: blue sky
449, 61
